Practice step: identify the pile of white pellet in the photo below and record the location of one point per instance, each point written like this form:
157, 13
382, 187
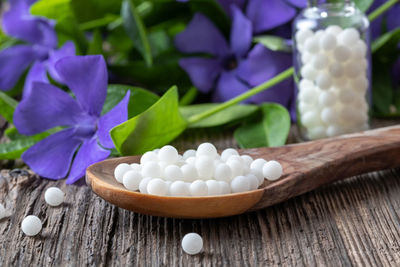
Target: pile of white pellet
201, 172
332, 89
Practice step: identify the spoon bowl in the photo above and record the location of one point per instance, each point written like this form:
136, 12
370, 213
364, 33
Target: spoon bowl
306, 166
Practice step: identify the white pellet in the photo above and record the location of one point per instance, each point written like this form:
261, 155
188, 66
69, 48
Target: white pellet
302, 35
192, 243
223, 172
225, 187
259, 175
329, 115
327, 98
308, 72
189, 173
272, 170
179, 189
359, 50
120, 170
328, 41
336, 69
198, 188
213, 188
240, 184
136, 167
310, 118
236, 167
316, 132
306, 57
258, 164
347, 95
247, 160
334, 30
205, 167
31, 225
207, 149
131, 180
227, 153
157, 187
173, 173
253, 181
304, 83
149, 156
311, 45
360, 83
168, 154
189, 153
349, 36
320, 61
341, 53
323, 81
54, 196
151, 169
191, 160
334, 130
143, 185
353, 68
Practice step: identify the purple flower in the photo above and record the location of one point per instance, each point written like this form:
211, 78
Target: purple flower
39, 51
85, 131
232, 68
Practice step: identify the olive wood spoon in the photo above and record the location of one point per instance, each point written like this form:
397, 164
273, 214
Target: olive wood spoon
306, 166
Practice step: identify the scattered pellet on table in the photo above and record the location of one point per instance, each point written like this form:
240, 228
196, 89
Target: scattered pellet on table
31, 225
192, 243
54, 196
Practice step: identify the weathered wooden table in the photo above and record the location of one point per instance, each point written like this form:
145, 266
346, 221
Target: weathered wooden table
353, 222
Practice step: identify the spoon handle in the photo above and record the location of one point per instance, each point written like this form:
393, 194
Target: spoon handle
312, 164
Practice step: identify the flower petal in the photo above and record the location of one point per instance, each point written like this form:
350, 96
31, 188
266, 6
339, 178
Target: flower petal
17, 22
115, 116
241, 32
298, 3
201, 36
87, 77
44, 108
226, 4
228, 87
90, 152
393, 18
68, 49
263, 64
37, 73
51, 157
266, 15
13, 62
202, 71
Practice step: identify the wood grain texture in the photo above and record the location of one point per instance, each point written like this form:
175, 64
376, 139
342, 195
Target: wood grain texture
352, 222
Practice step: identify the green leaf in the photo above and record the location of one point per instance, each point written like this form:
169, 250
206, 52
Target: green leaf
95, 46
230, 114
153, 128
270, 129
273, 43
15, 148
363, 5
67, 29
140, 99
52, 9
7, 107
382, 93
386, 43
136, 30
89, 10
189, 96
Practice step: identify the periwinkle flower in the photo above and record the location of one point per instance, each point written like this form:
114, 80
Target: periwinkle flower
231, 68
85, 132
39, 51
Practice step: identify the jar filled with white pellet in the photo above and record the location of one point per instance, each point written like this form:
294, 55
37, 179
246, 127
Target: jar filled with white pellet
332, 69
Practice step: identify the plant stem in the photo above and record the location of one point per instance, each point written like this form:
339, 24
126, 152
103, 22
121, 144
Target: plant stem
271, 82
380, 10
277, 79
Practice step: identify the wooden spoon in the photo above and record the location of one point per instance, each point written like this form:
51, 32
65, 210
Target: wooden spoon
306, 166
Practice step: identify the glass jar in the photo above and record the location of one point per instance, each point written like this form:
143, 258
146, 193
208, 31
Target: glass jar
332, 69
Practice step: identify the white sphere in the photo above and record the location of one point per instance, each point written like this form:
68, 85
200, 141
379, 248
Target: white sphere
225, 187
349, 36
198, 188
151, 169
335, 30
304, 107
120, 170
132, 180
320, 61
2, 211
179, 189
31, 225
207, 149
307, 95
247, 160
318, 34
157, 187
168, 154
205, 167
334, 130
340, 82
258, 164
308, 72
302, 35
240, 184
329, 115
235, 157
253, 181
347, 95
326, 99
310, 118
311, 45
336, 69
149, 156
323, 81
359, 50
258, 174
304, 83
360, 83
306, 57
191, 160
189, 172
341, 53
272, 170
143, 185
192, 243
180, 161
327, 41
236, 167
172, 173
189, 153
136, 167
353, 68
213, 188
316, 132
54, 196
223, 172
227, 153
